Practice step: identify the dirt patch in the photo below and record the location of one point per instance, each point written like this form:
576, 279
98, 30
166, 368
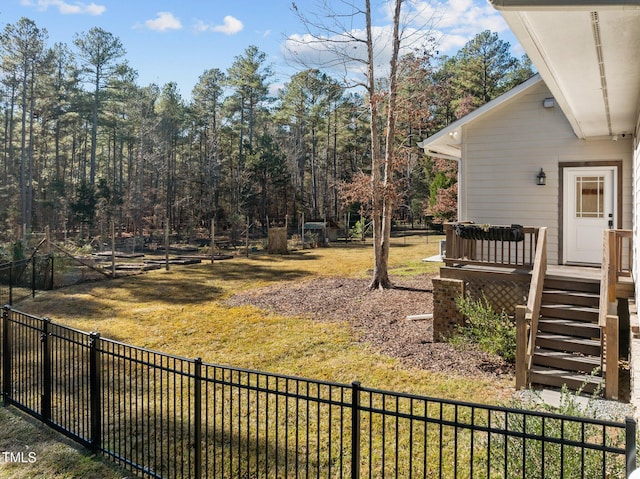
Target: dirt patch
379, 318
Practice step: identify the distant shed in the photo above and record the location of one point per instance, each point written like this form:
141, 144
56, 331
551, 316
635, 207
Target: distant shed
326, 230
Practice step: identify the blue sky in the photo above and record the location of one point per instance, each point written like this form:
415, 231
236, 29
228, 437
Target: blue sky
177, 40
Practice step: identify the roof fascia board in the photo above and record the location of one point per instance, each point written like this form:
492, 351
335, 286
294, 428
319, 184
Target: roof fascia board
529, 5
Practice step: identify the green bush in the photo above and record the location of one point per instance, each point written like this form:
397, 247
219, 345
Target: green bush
360, 229
532, 458
491, 331
19, 252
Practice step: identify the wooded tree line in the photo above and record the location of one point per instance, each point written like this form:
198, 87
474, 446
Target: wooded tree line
84, 145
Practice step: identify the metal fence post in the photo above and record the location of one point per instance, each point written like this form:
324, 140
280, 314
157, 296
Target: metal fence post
94, 391
45, 405
355, 430
630, 440
33, 276
6, 356
50, 283
197, 411
11, 282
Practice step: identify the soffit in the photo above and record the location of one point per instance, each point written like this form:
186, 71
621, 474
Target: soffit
588, 57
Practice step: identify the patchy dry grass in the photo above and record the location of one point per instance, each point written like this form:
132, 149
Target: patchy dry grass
39, 452
183, 312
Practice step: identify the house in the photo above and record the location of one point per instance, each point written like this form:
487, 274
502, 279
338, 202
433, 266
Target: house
505, 144
559, 154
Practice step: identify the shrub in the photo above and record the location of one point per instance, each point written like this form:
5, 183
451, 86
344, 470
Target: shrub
360, 229
19, 250
530, 458
491, 331
311, 238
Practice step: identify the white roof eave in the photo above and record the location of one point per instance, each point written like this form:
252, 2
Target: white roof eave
506, 5
586, 52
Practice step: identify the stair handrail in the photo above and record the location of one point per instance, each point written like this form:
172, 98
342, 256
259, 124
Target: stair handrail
535, 292
527, 316
607, 278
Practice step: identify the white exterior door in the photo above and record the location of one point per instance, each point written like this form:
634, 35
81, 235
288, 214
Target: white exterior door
589, 209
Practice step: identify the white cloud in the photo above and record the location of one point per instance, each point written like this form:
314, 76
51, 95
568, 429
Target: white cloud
344, 54
230, 26
452, 23
65, 8
458, 21
275, 88
163, 22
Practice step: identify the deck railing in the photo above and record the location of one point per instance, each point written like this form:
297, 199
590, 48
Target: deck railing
489, 250
527, 316
617, 262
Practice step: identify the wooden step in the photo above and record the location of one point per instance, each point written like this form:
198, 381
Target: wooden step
567, 311
577, 298
559, 377
572, 284
567, 361
568, 348
588, 347
568, 327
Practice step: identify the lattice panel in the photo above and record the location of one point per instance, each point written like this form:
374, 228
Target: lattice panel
502, 295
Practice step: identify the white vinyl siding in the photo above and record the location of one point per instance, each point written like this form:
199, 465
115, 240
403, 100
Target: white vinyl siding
503, 152
636, 209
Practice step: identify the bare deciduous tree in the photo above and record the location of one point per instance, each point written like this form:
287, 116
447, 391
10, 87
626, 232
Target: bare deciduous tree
341, 45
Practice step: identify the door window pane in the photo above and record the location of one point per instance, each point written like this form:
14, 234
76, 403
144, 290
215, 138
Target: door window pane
590, 197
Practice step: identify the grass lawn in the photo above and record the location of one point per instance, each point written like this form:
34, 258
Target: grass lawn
39, 452
183, 312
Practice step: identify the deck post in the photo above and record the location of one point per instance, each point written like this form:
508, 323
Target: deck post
611, 360
522, 374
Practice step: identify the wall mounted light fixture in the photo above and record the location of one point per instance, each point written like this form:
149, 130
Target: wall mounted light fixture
541, 179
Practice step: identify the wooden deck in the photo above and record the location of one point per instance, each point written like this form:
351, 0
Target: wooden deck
624, 286
507, 270
579, 273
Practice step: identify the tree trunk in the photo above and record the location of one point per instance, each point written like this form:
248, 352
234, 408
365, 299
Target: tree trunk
31, 163
383, 200
94, 128
23, 151
314, 179
380, 277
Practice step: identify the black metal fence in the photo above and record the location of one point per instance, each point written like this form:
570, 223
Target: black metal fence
21, 279
166, 416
